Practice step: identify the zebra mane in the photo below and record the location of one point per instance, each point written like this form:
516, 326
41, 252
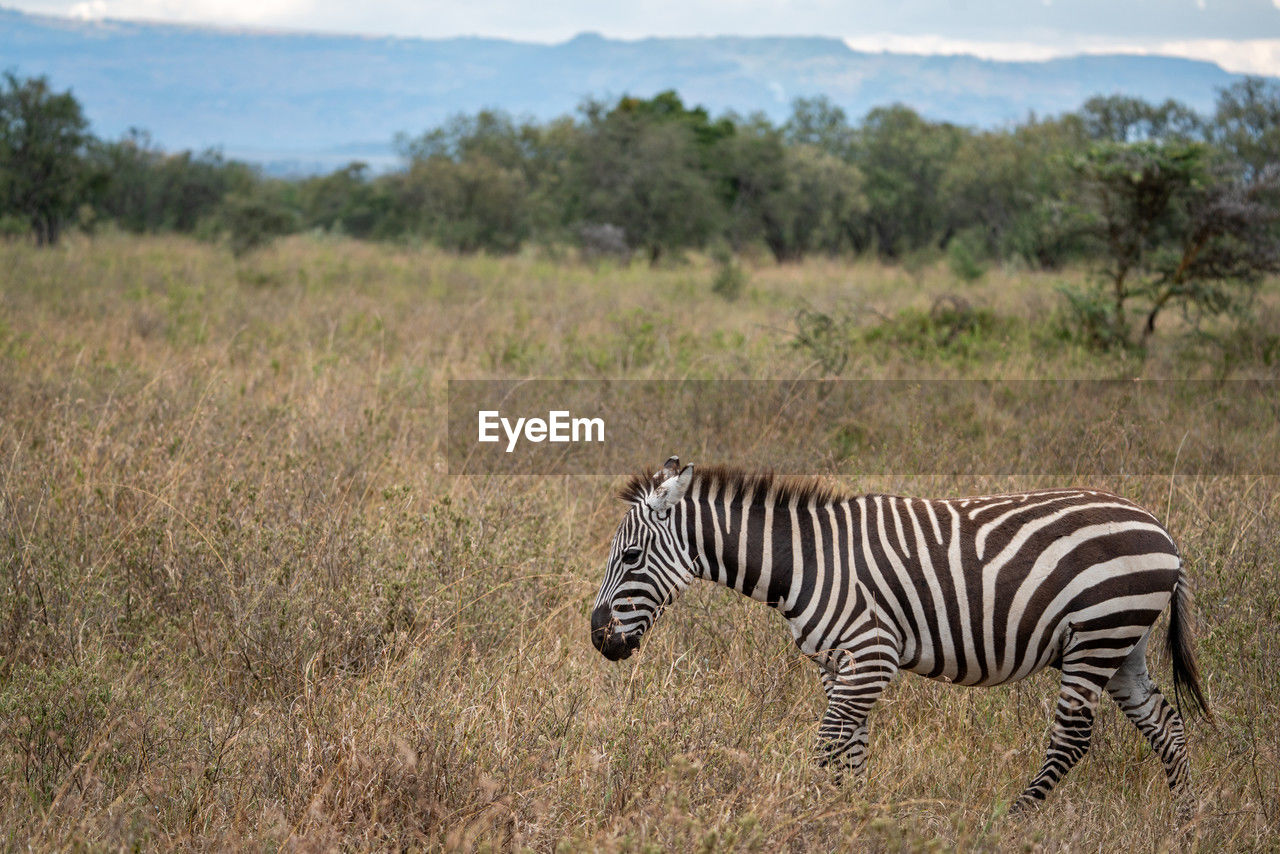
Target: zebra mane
747, 486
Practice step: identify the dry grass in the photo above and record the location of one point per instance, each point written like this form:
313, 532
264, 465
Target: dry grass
243, 607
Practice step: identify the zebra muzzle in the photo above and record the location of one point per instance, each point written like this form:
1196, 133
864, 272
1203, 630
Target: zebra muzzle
605, 637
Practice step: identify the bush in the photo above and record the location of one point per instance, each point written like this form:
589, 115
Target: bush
964, 256
951, 325
254, 221
50, 715
1243, 344
730, 278
1089, 316
12, 227
824, 337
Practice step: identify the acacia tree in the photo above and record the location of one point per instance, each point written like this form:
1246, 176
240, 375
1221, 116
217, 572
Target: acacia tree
43, 137
1175, 229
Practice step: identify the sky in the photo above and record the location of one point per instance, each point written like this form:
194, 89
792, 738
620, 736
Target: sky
1240, 35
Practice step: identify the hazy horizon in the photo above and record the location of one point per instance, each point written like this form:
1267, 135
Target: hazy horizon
1241, 36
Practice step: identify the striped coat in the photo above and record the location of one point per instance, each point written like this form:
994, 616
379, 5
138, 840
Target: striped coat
977, 591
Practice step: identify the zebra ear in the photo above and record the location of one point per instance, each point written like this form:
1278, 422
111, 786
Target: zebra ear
670, 492
669, 470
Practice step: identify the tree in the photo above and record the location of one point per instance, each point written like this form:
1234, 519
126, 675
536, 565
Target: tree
827, 200
491, 134
1175, 228
795, 198
345, 200
819, 123
476, 182
256, 218
666, 107
1247, 122
985, 187
642, 166
43, 136
1121, 118
752, 171
143, 189
903, 158
474, 205
1004, 191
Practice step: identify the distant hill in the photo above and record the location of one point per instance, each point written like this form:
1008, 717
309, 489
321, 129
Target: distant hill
306, 101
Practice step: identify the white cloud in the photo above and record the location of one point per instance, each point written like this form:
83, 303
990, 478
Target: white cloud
933, 45
1248, 56
194, 11
91, 10
532, 22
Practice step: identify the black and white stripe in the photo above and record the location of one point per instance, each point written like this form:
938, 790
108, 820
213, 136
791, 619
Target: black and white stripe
976, 591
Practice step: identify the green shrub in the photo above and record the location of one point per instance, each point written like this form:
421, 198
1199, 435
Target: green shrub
1089, 317
730, 279
951, 325
12, 226
1244, 344
964, 257
254, 221
50, 717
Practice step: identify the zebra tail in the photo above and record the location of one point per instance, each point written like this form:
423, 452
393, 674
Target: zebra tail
1186, 675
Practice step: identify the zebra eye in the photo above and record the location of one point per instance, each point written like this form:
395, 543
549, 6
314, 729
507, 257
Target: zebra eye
632, 555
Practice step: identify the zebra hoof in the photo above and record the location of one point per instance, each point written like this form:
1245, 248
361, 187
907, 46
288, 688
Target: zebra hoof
1025, 805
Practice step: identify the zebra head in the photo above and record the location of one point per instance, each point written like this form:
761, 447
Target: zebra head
648, 566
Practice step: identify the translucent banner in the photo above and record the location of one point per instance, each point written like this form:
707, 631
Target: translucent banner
905, 427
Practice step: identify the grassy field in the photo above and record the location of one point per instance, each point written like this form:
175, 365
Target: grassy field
243, 605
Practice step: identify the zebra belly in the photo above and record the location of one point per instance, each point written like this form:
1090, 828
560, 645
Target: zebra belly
1111, 612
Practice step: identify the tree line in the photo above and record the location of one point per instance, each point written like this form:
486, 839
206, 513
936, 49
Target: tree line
1182, 206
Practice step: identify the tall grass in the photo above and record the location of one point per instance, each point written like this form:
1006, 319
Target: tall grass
242, 606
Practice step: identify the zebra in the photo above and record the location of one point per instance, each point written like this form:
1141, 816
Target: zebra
975, 591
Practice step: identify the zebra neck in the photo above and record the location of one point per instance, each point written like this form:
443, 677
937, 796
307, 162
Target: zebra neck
760, 548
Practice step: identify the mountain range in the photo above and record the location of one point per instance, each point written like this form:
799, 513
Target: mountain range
305, 102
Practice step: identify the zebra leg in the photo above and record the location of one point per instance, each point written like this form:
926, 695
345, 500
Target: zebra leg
1144, 705
852, 686
1072, 729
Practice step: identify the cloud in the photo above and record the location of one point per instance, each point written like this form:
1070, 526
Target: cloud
1246, 56
1003, 20
934, 45
1239, 35
92, 10
282, 12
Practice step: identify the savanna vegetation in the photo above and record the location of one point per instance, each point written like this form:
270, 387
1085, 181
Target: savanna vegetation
244, 605
1171, 209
